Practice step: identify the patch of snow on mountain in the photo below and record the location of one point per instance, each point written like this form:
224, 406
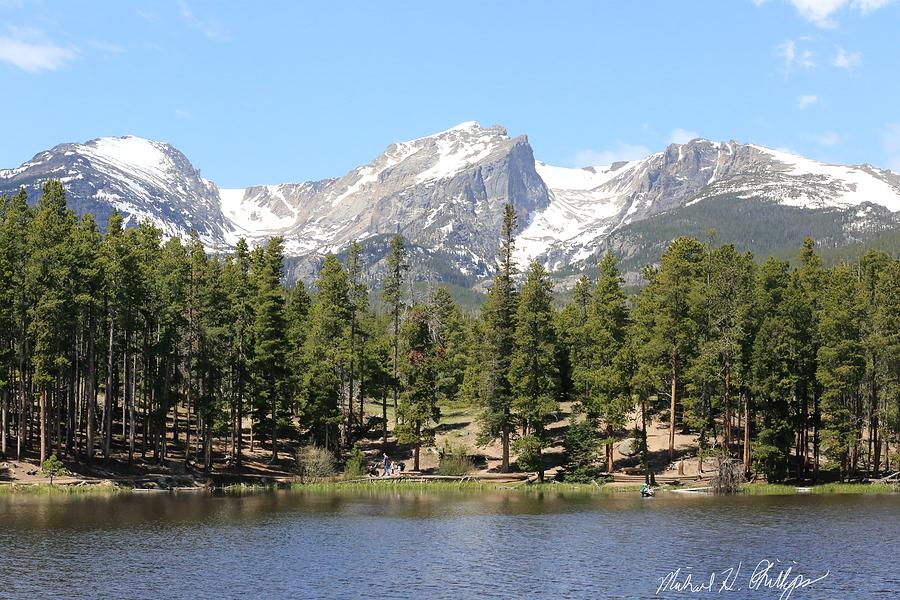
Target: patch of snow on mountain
459, 148
853, 185
582, 203
140, 157
249, 214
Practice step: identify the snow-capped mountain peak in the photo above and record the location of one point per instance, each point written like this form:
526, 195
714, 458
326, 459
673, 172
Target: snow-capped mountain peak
445, 193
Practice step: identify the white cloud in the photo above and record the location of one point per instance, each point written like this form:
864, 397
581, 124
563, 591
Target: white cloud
828, 139
211, 28
846, 60
890, 141
821, 13
807, 100
31, 50
182, 113
682, 136
588, 158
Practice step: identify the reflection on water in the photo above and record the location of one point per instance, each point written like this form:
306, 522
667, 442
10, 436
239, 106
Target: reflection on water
412, 543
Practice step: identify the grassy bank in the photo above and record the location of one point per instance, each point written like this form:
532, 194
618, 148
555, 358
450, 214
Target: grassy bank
459, 486
46, 489
774, 489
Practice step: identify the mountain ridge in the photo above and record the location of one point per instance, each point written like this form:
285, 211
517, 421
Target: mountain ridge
444, 192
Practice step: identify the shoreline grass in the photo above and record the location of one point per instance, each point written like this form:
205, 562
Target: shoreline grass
47, 489
463, 486
777, 489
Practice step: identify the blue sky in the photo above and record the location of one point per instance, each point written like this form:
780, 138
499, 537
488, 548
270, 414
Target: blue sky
268, 92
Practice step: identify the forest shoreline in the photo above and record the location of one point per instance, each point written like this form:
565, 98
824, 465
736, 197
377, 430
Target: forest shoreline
78, 486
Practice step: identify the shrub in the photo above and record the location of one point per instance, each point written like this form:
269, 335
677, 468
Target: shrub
454, 461
314, 462
529, 450
581, 452
356, 463
53, 467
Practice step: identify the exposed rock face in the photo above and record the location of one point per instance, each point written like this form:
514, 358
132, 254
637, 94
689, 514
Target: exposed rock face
588, 206
445, 194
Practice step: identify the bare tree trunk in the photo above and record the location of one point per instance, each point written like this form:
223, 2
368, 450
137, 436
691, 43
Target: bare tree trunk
504, 440
90, 389
362, 380
384, 417
240, 416
110, 391
70, 405
274, 427
727, 417
672, 411
4, 425
746, 432
21, 417
816, 418
129, 397
609, 448
418, 446
43, 425
645, 459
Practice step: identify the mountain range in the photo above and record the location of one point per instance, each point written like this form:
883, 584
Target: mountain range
445, 194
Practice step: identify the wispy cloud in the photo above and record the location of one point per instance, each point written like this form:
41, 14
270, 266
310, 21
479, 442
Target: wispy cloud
211, 28
682, 136
792, 55
822, 13
867, 6
182, 113
828, 139
807, 100
846, 60
890, 141
107, 47
31, 50
588, 157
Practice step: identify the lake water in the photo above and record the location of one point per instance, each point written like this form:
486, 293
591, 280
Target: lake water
444, 545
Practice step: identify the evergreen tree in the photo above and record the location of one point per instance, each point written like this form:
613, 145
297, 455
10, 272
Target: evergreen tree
887, 338
452, 356
841, 366
88, 282
49, 273
533, 368
608, 394
499, 316
270, 335
327, 355
774, 355
359, 300
877, 376
418, 378
15, 300
673, 297
392, 294
807, 283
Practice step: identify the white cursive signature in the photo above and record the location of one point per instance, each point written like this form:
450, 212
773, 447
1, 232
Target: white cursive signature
767, 575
